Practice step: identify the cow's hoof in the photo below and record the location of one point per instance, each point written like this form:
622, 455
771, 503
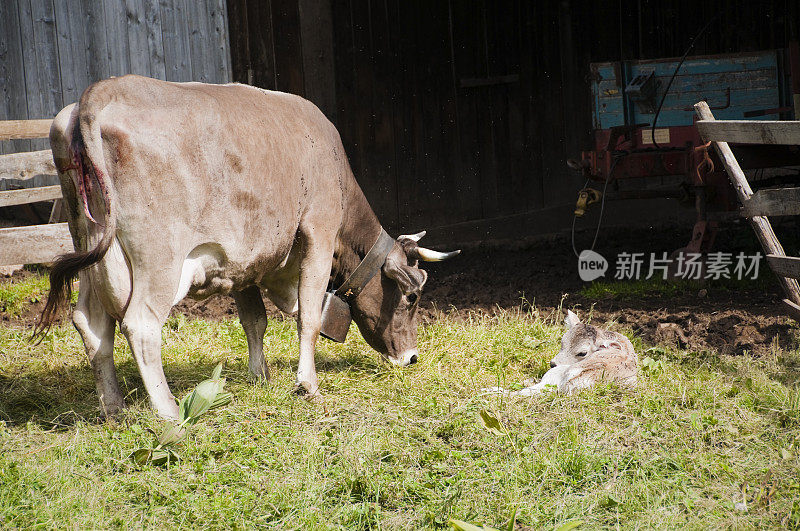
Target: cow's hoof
258, 377
308, 391
112, 410
167, 411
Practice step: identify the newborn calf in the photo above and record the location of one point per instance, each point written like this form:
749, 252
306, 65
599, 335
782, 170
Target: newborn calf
588, 355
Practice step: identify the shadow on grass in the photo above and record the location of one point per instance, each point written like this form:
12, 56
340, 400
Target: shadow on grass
60, 398
351, 362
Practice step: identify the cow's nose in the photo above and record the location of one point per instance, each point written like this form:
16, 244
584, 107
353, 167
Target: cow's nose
552, 364
406, 357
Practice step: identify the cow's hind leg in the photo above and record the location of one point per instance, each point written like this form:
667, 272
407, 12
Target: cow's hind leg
96, 328
146, 314
253, 317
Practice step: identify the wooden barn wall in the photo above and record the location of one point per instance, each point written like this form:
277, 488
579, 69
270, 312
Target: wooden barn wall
51, 50
455, 112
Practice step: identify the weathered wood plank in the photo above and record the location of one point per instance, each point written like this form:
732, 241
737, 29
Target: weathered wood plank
116, 26
33, 84
29, 195
750, 132
96, 40
287, 45
761, 225
175, 37
155, 44
316, 35
785, 266
13, 104
45, 39
34, 244
70, 77
138, 52
219, 40
24, 129
792, 309
199, 42
773, 202
27, 165
76, 46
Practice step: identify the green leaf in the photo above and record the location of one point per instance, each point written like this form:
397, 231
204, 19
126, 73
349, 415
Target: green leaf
200, 400
513, 521
491, 423
141, 456
174, 433
460, 525
163, 456
568, 526
217, 374
223, 399
609, 502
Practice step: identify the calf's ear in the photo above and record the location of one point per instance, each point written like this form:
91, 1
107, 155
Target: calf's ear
610, 344
410, 279
571, 319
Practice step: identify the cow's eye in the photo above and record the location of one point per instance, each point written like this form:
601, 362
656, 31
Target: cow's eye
412, 298
582, 353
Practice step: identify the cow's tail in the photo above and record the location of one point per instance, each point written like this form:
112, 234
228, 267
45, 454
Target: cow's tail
88, 164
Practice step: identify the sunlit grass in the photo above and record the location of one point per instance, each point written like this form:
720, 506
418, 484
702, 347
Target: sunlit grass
16, 294
402, 448
658, 287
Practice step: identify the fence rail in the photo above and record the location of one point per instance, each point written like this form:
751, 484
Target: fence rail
25, 166
24, 129
750, 132
31, 244
756, 207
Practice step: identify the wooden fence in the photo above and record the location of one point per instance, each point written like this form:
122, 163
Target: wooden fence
35, 243
768, 202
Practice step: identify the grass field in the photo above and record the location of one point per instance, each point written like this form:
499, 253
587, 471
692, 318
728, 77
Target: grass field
707, 441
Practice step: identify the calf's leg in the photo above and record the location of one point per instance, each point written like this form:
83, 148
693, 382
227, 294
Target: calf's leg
96, 328
253, 317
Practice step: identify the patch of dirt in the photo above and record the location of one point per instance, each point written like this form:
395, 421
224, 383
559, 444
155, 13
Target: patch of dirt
485, 278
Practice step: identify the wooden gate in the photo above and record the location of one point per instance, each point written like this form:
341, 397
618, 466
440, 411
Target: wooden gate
35, 243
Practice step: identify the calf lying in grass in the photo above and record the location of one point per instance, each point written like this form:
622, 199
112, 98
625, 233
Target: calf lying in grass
588, 355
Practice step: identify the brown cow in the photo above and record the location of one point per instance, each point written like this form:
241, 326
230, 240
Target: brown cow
178, 189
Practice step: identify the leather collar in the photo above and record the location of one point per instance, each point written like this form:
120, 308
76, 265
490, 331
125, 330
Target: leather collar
367, 269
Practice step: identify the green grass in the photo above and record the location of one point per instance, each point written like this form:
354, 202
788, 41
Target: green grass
16, 294
402, 448
658, 287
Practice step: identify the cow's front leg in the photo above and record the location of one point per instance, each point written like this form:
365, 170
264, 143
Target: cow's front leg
315, 269
253, 317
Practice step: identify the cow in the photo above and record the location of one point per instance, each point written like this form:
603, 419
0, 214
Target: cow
176, 189
588, 355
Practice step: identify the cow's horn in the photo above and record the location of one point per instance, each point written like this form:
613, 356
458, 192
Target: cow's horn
413, 237
429, 255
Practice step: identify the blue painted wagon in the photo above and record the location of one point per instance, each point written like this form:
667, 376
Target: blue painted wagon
643, 119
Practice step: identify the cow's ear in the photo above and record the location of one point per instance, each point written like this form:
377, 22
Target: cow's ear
410, 279
571, 319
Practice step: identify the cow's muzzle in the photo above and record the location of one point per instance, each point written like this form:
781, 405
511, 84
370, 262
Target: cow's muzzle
406, 358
